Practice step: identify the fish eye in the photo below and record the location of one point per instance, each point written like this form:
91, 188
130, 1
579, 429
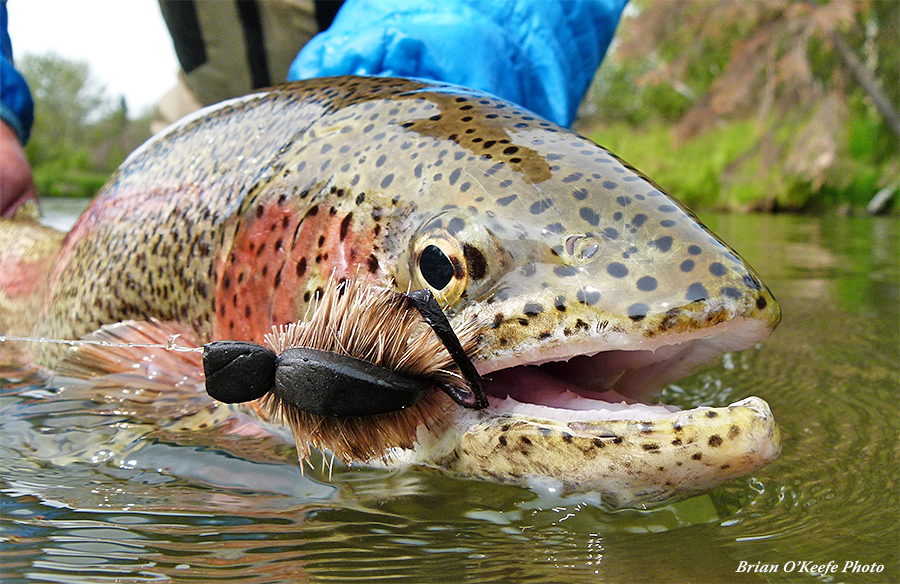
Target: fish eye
439, 265
436, 267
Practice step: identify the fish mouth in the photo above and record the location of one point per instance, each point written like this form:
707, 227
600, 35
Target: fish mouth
605, 378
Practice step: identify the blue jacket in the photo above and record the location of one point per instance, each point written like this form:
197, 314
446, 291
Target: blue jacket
16, 106
541, 54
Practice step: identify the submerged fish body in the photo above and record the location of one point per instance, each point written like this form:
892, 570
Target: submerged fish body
595, 286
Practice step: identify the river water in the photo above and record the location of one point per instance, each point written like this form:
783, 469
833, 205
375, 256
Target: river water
91, 495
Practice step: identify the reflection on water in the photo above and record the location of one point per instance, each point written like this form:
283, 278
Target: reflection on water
89, 495
61, 213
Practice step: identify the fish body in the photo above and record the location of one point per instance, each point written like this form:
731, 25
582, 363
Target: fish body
592, 283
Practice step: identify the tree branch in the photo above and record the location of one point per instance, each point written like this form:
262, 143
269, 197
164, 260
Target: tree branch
868, 83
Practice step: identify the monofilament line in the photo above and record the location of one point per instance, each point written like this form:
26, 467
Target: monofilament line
169, 346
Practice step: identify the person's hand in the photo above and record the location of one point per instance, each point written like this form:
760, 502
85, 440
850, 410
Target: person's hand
16, 180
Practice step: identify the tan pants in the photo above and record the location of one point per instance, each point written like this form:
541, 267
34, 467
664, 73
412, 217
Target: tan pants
241, 47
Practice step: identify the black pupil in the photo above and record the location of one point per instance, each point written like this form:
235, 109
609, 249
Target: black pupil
436, 267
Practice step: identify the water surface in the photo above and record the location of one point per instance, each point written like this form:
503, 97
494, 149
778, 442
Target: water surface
91, 494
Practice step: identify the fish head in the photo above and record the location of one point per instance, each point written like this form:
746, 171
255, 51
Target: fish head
574, 258
595, 289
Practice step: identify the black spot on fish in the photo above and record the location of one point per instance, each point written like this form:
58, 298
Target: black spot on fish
761, 303
663, 243
590, 216
345, 225
608, 184
533, 309
730, 292
504, 201
560, 303
565, 271
696, 456
475, 261
623, 200
301, 267
717, 269
580, 194
694, 250
386, 181
752, 282
588, 295
687, 265
456, 225
646, 284
676, 442
715, 440
617, 270
638, 311
555, 228
696, 292
650, 447
540, 206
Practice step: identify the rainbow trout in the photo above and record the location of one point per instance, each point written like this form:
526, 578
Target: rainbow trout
596, 288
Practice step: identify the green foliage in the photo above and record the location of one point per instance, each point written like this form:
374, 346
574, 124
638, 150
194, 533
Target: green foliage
749, 105
697, 172
79, 136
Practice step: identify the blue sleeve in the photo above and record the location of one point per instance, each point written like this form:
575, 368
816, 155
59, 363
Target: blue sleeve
16, 106
541, 54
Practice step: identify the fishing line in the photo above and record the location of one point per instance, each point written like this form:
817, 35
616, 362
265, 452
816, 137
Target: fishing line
169, 346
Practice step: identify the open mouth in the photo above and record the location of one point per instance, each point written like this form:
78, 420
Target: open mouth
592, 380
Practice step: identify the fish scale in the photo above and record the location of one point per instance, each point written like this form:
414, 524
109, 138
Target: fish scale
233, 220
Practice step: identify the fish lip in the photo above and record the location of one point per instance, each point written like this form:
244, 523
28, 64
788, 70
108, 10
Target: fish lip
635, 369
